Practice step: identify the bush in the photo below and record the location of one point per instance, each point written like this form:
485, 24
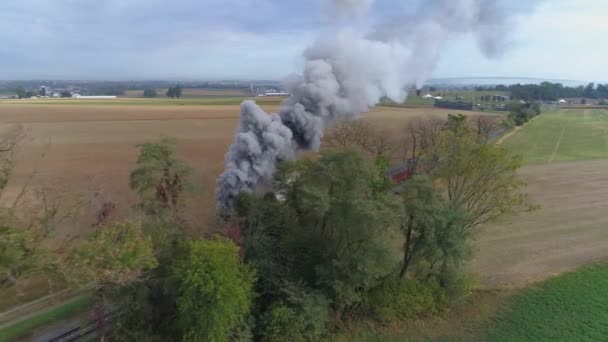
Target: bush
303, 316
403, 299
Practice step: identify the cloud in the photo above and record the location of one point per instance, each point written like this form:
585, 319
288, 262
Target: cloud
115, 38
264, 39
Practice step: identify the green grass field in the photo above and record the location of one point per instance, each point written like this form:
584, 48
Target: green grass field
564, 135
571, 307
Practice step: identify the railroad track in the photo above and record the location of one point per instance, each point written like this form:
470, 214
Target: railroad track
83, 331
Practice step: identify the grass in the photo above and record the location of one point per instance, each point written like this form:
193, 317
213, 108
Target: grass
564, 135
571, 307
63, 311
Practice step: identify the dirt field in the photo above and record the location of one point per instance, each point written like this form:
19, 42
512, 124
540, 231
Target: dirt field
570, 230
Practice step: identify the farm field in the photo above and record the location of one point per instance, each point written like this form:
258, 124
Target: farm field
571, 307
566, 177
568, 231
88, 150
561, 136
135, 101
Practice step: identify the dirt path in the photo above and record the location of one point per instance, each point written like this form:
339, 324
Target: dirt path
559, 141
570, 230
506, 136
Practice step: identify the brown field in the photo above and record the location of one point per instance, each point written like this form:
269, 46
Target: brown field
89, 150
191, 92
570, 230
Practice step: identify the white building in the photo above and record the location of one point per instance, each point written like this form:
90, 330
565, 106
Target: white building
276, 94
99, 97
427, 96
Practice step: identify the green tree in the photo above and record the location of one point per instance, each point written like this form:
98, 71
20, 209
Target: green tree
21, 92
477, 177
342, 229
116, 255
160, 178
590, 91
66, 94
178, 91
150, 92
174, 92
214, 290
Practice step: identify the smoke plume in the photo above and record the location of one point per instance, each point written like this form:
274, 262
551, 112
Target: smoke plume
345, 74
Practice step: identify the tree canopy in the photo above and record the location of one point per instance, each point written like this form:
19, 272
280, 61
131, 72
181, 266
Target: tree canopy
214, 290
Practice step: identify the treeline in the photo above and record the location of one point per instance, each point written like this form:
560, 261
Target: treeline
547, 91
333, 241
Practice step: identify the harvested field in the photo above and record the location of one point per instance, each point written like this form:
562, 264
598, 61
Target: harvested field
570, 230
89, 150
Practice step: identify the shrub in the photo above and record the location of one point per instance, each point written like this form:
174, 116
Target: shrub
303, 316
402, 299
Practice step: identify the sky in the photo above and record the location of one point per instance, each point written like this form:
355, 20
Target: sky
264, 39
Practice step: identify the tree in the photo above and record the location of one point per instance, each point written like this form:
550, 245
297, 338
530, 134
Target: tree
174, 92
21, 93
477, 177
485, 125
160, 178
66, 94
149, 92
589, 91
361, 135
342, 231
214, 290
116, 255
435, 231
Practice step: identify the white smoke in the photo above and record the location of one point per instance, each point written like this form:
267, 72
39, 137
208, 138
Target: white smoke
347, 73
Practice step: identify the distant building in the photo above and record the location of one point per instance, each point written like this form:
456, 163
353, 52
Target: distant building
43, 91
276, 94
81, 97
427, 96
562, 101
